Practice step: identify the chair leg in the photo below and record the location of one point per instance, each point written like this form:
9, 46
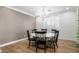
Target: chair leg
36, 48
45, 48
56, 45
29, 45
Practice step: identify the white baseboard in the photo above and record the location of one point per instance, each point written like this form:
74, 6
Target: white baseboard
2, 45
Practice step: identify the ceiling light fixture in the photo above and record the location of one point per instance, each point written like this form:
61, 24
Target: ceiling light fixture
67, 8
43, 12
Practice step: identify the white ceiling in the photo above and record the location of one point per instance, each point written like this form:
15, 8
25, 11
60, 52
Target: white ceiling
37, 10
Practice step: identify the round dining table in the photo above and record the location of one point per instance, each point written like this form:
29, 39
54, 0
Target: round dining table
48, 34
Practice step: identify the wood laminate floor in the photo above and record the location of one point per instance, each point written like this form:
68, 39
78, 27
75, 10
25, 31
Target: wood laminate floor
65, 46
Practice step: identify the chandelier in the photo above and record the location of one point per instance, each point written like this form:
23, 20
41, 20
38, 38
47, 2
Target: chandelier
43, 12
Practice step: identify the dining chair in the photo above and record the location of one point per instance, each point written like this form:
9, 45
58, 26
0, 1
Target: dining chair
41, 40
53, 40
56, 38
30, 39
56, 32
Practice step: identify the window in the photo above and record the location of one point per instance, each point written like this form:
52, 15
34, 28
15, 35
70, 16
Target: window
48, 23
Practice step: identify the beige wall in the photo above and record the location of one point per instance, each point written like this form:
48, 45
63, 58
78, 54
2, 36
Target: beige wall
13, 25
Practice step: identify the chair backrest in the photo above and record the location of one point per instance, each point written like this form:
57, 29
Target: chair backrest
40, 34
56, 35
28, 34
53, 30
56, 32
44, 30
34, 30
